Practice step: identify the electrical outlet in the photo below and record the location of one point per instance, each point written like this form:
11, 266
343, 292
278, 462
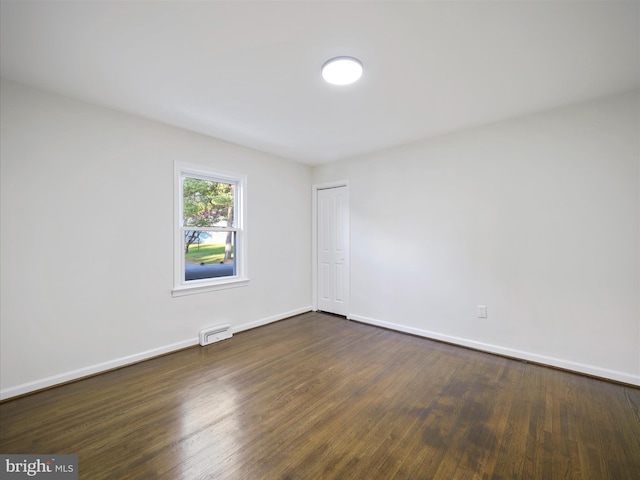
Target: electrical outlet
482, 311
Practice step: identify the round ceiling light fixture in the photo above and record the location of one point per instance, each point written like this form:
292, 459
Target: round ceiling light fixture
342, 70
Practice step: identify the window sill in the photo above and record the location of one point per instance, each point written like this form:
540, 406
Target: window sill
183, 290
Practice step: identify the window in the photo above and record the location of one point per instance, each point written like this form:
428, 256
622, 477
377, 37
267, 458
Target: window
209, 230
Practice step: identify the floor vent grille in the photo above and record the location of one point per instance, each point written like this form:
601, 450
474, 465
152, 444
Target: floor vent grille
215, 334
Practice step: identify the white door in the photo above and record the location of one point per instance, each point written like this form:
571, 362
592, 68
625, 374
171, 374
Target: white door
333, 250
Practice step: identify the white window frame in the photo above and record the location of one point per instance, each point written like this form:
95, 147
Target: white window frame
180, 285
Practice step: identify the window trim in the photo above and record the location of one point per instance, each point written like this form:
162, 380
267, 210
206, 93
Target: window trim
182, 287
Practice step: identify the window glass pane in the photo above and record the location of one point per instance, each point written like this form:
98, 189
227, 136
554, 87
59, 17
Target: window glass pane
206, 203
209, 254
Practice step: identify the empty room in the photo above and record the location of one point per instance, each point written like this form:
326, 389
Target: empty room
320, 239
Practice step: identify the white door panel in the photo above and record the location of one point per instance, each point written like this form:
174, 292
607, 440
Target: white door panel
333, 250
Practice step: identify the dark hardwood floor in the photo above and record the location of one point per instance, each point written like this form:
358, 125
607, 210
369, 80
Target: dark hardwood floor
320, 397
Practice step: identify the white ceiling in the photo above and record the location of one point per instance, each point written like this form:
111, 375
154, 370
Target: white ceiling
249, 72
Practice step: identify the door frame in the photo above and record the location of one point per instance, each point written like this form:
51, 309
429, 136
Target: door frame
314, 241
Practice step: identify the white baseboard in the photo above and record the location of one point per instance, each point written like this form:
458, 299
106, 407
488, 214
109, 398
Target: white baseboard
128, 360
508, 352
93, 369
273, 318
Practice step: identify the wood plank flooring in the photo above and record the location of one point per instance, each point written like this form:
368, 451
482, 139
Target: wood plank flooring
320, 397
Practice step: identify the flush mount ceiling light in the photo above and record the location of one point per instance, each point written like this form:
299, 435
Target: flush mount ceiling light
342, 70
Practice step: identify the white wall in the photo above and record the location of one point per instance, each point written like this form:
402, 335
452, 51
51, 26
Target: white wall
537, 218
87, 239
